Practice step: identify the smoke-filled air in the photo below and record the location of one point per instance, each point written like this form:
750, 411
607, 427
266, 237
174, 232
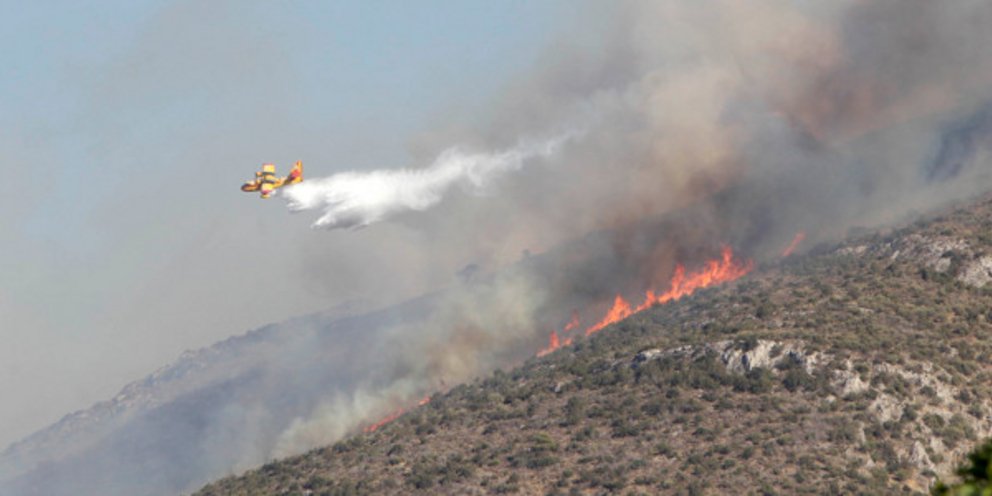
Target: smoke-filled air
357, 199
715, 135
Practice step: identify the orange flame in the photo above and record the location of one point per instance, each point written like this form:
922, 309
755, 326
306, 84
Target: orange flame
799, 237
393, 416
572, 324
554, 342
620, 310
718, 271
389, 418
724, 269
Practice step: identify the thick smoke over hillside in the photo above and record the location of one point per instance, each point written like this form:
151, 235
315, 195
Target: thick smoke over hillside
961, 145
703, 123
773, 117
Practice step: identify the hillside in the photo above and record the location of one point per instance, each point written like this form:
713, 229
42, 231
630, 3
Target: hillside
859, 368
170, 432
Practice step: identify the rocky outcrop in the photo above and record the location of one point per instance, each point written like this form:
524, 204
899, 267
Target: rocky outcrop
941, 254
907, 392
742, 357
977, 273
935, 252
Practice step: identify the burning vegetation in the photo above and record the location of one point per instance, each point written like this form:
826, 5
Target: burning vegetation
393, 416
796, 241
860, 369
716, 271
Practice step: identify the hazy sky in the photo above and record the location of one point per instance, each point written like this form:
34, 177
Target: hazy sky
126, 128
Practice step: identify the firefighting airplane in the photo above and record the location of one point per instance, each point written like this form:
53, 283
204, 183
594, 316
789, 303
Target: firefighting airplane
267, 182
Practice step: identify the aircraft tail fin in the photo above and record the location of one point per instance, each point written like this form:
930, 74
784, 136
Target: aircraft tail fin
296, 174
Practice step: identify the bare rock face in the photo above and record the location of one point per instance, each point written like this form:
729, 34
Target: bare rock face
740, 358
648, 355
977, 273
741, 361
764, 354
918, 456
927, 404
847, 382
938, 253
886, 408
934, 252
852, 251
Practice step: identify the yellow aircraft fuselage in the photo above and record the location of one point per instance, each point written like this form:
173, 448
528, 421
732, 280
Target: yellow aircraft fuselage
266, 180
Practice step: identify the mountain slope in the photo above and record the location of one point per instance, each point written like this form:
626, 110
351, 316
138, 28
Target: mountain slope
863, 367
175, 430
290, 386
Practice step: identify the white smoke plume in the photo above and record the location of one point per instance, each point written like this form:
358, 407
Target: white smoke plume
357, 199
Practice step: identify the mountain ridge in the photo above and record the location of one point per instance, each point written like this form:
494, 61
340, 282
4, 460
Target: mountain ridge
861, 368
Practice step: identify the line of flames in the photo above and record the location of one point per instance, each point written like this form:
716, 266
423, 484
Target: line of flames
393, 416
796, 240
717, 271
721, 270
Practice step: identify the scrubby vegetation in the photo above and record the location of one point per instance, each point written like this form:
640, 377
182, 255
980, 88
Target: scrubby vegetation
975, 475
863, 368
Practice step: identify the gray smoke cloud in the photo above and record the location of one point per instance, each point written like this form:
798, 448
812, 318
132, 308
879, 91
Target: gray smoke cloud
714, 122
473, 328
775, 116
723, 122
703, 123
